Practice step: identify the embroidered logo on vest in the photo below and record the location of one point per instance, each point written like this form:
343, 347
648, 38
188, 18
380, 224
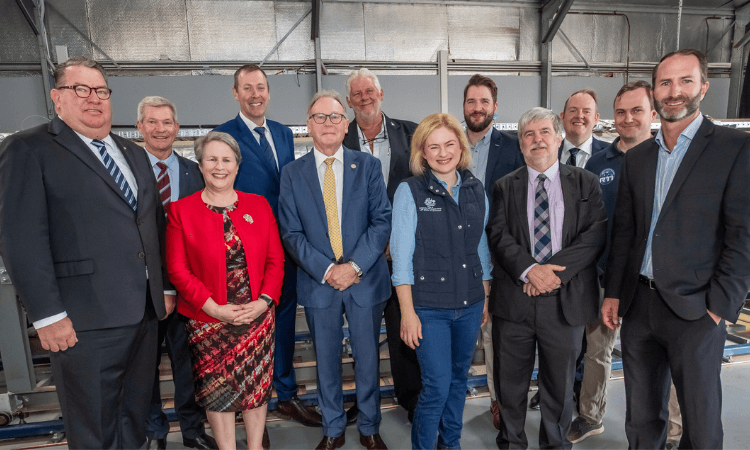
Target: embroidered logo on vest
607, 176
430, 206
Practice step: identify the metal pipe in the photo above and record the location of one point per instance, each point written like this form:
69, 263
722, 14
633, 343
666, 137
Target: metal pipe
296, 24
723, 35
679, 23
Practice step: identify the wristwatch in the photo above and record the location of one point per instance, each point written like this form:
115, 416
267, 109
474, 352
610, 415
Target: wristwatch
356, 268
267, 299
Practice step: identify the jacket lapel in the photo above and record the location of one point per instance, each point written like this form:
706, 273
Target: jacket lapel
249, 141
520, 193
310, 173
351, 169
570, 197
651, 157
284, 156
496, 141
396, 139
351, 140
142, 182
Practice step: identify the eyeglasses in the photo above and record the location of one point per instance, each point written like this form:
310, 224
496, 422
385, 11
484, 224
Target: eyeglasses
320, 118
84, 91
379, 138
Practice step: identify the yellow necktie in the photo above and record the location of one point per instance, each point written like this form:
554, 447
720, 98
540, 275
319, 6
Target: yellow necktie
332, 209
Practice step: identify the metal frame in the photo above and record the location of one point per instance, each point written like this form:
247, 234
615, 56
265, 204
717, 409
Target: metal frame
738, 61
553, 14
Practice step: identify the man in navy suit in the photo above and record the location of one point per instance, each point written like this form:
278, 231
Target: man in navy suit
266, 147
176, 177
335, 222
579, 118
494, 154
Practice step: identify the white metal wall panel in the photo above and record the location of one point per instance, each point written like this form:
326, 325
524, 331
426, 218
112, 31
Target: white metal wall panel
483, 32
298, 46
405, 32
342, 31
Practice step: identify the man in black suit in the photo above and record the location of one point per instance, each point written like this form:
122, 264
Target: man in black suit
548, 231
494, 154
579, 118
389, 140
679, 264
176, 177
80, 219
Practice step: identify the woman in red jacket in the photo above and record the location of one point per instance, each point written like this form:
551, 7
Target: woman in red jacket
225, 258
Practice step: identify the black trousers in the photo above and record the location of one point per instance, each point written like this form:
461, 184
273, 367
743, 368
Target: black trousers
514, 345
407, 379
189, 413
104, 384
658, 345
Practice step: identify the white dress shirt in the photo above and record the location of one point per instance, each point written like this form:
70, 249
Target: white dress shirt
583, 155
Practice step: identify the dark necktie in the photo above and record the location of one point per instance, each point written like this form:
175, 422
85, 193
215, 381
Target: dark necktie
163, 183
116, 174
573, 154
542, 231
266, 147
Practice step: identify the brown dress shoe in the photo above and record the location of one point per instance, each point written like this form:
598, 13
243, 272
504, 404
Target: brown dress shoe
294, 409
266, 442
331, 443
372, 442
495, 410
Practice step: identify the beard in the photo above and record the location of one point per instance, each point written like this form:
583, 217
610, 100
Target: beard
690, 106
481, 126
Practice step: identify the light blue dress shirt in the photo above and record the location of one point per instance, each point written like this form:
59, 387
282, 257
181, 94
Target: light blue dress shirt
404, 230
479, 155
666, 168
173, 170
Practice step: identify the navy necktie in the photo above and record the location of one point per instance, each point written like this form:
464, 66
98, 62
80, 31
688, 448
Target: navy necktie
266, 147
573, 154
542, 230
116, 174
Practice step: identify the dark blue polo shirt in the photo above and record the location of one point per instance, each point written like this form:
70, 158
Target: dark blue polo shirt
606, 165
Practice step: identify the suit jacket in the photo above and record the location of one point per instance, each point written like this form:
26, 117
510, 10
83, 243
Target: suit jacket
191, 178
258, 173
701, 243
596, 147
504, 157
69, 238
399, 137
196, 254
365, 230
583, 238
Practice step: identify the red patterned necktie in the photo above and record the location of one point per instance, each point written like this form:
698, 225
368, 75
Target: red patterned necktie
162, 182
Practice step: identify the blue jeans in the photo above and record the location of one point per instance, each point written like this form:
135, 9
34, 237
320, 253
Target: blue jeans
449, 337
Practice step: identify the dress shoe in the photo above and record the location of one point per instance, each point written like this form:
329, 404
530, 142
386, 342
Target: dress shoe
410, 415
266, 443
294, 409
495, 410
330, 443
534, 402
372, 442
154, 444
203, 441
351, 414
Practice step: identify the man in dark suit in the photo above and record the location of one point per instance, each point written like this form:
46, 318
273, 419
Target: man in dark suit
176, 177
335, 222
579, 118
389, 140
679, 264
266, 147
80, 219
494, 154
548, 231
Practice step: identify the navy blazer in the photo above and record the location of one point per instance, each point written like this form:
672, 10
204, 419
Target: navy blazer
191, 178
504, 157
399, 136
596, 147
258, 173
366, 228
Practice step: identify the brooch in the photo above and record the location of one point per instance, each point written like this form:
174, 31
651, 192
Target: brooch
247, 218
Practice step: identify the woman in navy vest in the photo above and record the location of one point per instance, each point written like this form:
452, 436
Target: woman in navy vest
441, 271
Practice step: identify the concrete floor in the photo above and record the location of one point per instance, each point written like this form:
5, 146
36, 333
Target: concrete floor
478, 432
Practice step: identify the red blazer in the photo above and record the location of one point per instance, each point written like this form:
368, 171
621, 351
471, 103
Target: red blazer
196, 254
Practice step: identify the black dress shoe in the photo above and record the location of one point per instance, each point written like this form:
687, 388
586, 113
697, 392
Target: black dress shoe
203, 441
372, 442
154, 444
294, 409
351, 414
534, 402
331, 443
266, 443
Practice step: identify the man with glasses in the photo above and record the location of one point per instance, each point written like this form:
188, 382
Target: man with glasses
389, 140
266, 147
335, 222
80, 216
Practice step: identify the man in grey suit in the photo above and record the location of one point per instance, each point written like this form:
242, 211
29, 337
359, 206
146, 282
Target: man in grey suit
548, 230
80, 219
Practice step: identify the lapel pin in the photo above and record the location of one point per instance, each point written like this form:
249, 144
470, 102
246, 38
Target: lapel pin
354, 166
247, 218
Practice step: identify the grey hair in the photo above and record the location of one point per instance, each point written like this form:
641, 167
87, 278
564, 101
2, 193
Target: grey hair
539, 113
363, 72
156, 102
200, 144
322, 94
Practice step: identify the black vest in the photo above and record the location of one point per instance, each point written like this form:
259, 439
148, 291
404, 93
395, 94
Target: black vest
447, 270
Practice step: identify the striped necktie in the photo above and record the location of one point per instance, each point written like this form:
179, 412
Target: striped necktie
163, 183
116, 174
542, 230
573, 154
332, 209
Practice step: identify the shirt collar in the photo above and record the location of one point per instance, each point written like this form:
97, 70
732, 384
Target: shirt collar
585, 147
688, 132
107, 140
250, 124
381, 133
612, 150
171, 160
550, 173
445, 185
320, 158
484, 140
